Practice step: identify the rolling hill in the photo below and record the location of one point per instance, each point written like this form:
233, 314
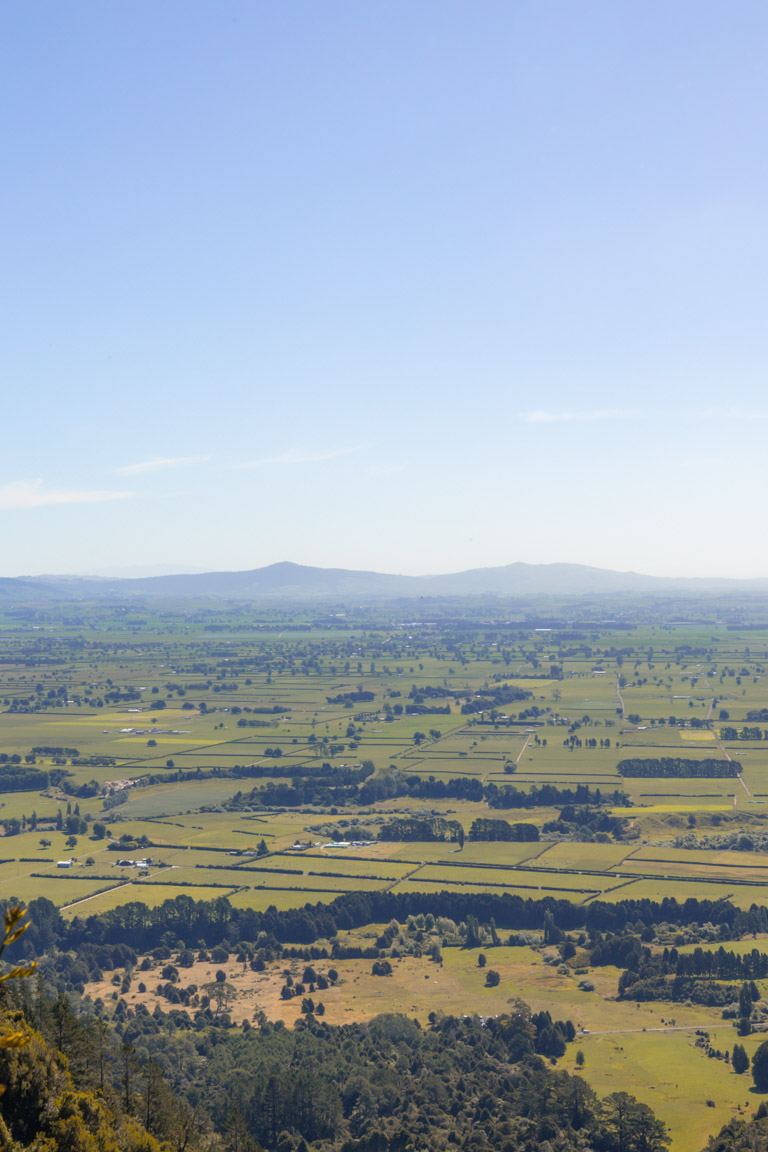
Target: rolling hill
288, 581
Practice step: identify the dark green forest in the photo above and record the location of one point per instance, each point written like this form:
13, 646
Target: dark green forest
141, 1081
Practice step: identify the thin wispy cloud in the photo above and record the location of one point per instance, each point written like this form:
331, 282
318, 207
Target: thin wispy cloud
586, 416
288, 458
160, 464
34, 494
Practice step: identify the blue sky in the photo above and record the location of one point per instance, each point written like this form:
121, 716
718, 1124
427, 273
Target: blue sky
410, 287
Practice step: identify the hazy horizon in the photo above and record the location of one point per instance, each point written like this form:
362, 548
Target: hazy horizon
127, 572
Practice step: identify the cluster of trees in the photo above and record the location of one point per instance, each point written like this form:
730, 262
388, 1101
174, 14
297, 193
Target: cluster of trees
416, 709
720, 964
387, 785
115, 799
358, 697
425, 827
748, 732
487, 699
739, 1059
419, 693
586, 823
55, 751
391, 1084
485, 829
677, 766
550, 796
333, 788
457, 788
124, 696
22, 778
329, 774
700, 976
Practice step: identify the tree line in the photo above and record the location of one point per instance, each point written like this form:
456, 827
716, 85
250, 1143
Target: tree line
677, 766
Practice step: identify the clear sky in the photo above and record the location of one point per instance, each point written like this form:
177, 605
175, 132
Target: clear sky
414, 287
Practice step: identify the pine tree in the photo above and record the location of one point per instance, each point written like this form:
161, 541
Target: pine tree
760, 1067
745, 1001
739, 1060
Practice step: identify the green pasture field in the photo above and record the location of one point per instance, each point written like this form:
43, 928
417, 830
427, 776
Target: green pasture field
150, 894
186, 857
279, 872
202, 876
326, 863
446, 769
479, 852
743, 896
260, 899
682, 856
502, 744
703, 871
61, 888
574, 855
178, 797
755, 763
668, 742
511, 877
20, 804
417, 852
664, 1070
661, 742
649, 790
303, 882
562, 763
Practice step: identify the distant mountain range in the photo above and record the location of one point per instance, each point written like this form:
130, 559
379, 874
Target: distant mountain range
287, 581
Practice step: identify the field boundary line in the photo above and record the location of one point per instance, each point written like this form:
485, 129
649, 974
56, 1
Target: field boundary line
103, 892
389, 887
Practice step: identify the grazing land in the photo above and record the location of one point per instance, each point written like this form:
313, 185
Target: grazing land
589, 754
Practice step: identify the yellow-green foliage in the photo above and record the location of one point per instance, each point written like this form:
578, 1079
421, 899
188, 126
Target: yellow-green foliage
42, 1111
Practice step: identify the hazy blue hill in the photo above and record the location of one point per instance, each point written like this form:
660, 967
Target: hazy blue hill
290, 581
532, 579
18, 589
575, 580
284, 579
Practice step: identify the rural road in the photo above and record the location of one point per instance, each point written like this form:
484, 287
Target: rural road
664, 1028
728, 757
520, 753
122, 884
